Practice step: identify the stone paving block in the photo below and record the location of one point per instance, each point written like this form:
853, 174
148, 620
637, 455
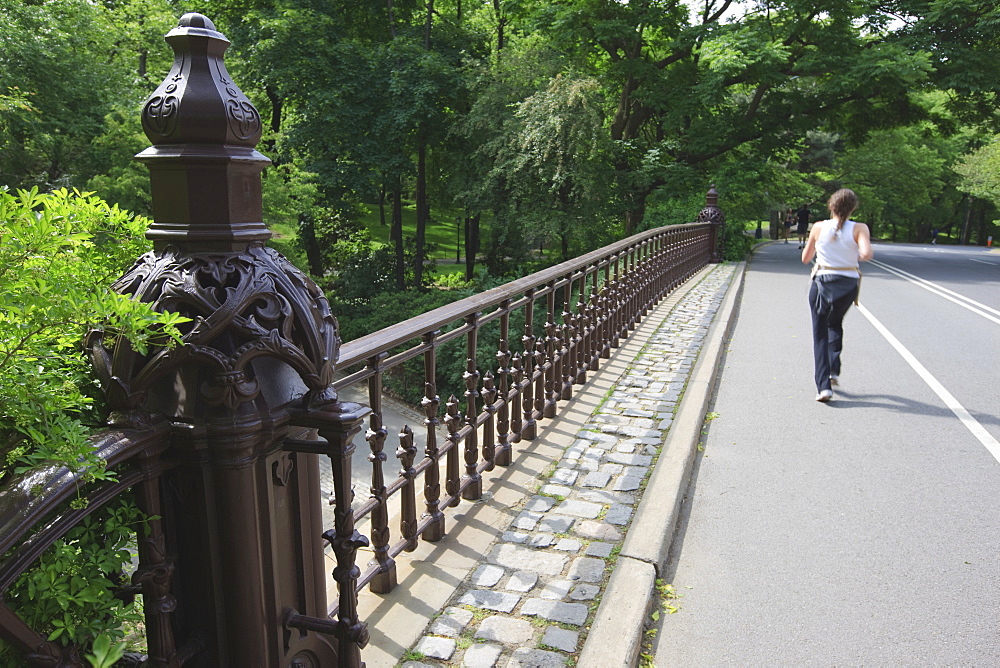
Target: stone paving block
567, 545
556, 523
489, 600
535, 658
556, 590
556, 490
526, 520
585, 592
640, 431
486, 575
629, 460
584, 509
540, 540
526, 559
635, 471
417, 664
605, 497
451, 623
564, 477
515, 537
587, 569
557, 611
618, 514
596, 437
560, 638
596, 479
505, 629
626, 484
481, 655
611, 419
522, 581
539, 504
613, 469
625, 448
436, 648
599, 550
599, 531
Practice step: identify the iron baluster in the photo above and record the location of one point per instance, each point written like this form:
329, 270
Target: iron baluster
406, 453
489, 407
474, 487
453, 422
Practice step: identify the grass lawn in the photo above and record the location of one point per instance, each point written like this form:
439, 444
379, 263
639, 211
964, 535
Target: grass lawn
442, 230
441, 233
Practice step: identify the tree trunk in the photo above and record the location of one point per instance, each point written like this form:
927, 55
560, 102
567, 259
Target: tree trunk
635, 211
471, 245
381, 205
964, 238
307, 237
276, 108
421, 196
422, 210
501, 24
396, 234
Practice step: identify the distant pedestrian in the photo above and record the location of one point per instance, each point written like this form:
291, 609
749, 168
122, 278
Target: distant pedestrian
803, 219
934, 234
838, 244
789, 221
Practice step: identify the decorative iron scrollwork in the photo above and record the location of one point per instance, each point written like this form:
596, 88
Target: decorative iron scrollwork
241, 306
711, 213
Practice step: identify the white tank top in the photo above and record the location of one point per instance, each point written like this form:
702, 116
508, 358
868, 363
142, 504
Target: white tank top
837, 248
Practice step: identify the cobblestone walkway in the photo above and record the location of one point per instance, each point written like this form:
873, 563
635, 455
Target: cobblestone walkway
529, 602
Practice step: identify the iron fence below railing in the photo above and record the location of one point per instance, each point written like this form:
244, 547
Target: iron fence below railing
588, 305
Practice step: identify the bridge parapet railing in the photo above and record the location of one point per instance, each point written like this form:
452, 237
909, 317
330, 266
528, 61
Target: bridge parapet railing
218, 440
566, 319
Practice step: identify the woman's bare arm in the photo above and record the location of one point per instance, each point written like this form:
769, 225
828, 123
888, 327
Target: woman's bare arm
810, 250
864, 240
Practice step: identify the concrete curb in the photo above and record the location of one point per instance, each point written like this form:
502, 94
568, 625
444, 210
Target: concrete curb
615, 637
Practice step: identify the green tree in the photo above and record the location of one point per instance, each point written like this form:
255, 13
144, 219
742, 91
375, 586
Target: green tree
694, 89
980, 171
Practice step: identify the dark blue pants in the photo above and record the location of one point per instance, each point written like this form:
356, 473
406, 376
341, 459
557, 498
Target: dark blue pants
829, 299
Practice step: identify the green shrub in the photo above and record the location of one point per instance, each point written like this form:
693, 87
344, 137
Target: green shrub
68, 596
59, 253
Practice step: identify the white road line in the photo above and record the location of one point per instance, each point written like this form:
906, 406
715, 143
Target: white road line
961, 300
973, 425
992, 264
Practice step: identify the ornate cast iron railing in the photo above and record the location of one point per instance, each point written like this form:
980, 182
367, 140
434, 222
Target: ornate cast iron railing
588, 304
216, 439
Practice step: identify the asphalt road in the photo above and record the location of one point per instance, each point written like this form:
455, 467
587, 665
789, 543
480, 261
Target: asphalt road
864, 531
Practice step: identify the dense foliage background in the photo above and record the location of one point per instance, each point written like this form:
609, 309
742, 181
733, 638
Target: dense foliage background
549, 128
